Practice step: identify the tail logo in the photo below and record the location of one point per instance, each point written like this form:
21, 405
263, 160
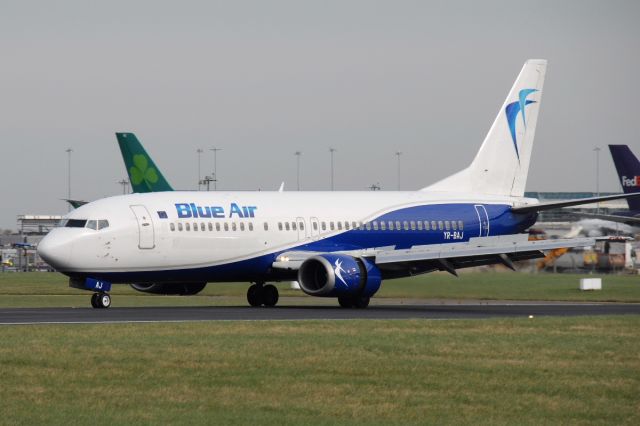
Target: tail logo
141, 172
512, 111
631, 182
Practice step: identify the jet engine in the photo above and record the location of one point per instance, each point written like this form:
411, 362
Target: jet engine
333, 275
183, 289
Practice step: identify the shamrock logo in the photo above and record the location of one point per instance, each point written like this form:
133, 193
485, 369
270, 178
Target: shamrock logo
141, 172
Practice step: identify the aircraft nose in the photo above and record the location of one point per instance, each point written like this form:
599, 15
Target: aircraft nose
55, 250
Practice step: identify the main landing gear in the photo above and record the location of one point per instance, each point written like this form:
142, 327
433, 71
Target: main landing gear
359, 302
100, 300
259, 294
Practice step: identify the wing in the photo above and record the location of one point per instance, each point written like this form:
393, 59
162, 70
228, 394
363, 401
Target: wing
447, 257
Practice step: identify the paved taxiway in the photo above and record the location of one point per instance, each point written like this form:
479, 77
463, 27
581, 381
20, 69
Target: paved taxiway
242, 313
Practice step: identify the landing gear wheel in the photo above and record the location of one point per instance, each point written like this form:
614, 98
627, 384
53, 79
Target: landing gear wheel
361, 302
255, 295
100, 300
345, 302
270, 295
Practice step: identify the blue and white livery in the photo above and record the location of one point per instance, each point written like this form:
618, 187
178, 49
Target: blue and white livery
335, 244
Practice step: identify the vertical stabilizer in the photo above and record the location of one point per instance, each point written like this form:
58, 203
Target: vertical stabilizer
628, 168
502, 163
144, 175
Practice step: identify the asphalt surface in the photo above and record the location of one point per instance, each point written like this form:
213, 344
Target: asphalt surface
242, 313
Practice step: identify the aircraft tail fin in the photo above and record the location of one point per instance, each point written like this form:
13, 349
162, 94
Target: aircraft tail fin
501, 165
144, 175
628, 168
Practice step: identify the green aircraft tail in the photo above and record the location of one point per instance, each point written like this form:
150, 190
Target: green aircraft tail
144, 175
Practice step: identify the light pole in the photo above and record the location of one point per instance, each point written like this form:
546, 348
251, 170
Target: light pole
215, 167
124, 183
332, 150
298, 154
69, 151
199, 151
398, 154
597, 151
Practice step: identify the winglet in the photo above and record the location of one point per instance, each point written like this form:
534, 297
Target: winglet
281, 189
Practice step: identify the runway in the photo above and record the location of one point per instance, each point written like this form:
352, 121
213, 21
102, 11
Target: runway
241, 313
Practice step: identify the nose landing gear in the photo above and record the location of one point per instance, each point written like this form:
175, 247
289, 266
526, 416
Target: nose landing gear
100, 300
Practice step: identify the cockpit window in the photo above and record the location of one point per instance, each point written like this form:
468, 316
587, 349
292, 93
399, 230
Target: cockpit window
76, 223
103, 224
91, 224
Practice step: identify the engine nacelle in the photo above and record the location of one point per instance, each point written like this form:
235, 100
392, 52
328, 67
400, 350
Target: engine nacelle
334, 275
183, 289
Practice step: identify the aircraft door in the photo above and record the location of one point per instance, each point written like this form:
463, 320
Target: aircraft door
315, 228
483, 218
145, 227
302, 229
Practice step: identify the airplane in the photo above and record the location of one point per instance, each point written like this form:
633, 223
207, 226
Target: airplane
144, 175
336, 244
628, 169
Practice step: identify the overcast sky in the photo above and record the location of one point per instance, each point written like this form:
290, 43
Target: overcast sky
264, 79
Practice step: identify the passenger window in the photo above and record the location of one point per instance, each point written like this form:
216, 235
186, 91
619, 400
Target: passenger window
419, 225
202, 225
179, 226
440, 225
413, 225
91, 224
286, 226
250, 226
390, 226
315, 226
346, 225
172, 226
339, 226
242, 226
293, 226
361, 226
233, 226
433, 225
406, 225
447, 225
218, 226
301, 226
226, 226
375, 225
454, 225
460, 225
426, 225
324, 226
398, 227
195, 226
187, 226
266, 226
331, 225
354, 225
280, 226
383, 226
368, 226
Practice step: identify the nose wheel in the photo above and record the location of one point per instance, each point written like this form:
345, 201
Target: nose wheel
100, 300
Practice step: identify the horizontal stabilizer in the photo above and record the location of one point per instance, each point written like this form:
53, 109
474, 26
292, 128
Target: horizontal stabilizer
559, 204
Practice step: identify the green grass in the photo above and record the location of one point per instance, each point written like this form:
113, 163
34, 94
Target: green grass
503, 371
51, 289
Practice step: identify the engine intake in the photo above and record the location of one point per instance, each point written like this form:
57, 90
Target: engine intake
331, 275
183, 289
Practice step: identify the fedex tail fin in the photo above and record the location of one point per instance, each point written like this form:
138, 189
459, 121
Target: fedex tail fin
502, 163
628, 168
144, 175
